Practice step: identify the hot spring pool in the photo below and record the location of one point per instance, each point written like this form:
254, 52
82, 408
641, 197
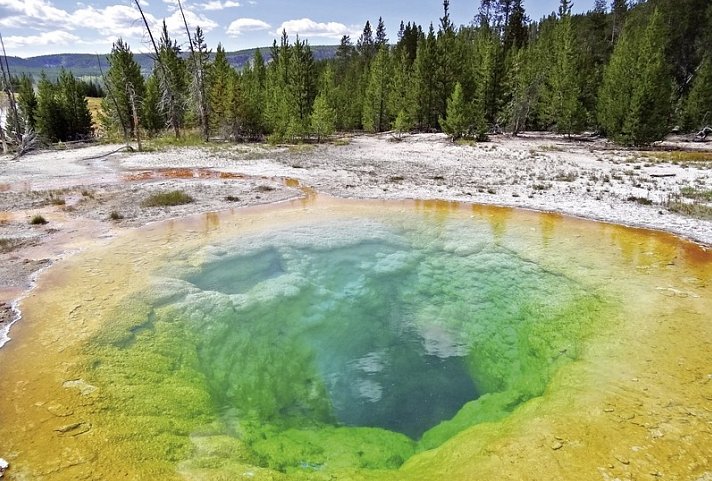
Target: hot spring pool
365, 340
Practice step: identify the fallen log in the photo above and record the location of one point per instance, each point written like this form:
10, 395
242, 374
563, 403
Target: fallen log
702, 135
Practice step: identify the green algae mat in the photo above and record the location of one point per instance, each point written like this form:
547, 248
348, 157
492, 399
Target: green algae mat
365, 340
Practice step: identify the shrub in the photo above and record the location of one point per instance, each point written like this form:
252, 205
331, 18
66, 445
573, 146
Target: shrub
168, 199
38, 220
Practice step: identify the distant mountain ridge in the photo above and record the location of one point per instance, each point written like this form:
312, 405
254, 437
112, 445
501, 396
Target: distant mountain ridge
86, 65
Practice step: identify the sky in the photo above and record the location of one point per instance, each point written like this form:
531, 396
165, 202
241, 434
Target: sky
38, 27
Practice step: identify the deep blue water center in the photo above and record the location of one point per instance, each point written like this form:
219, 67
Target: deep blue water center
385, 378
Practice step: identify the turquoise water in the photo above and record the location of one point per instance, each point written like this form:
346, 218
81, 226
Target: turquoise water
354, 343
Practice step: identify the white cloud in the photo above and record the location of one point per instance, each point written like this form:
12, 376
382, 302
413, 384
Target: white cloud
32, 13
242, 25
55, 37
218, 5
177, 27
87, 21
306, 27
115, 20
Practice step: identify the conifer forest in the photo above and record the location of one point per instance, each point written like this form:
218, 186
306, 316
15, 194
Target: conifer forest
630, 71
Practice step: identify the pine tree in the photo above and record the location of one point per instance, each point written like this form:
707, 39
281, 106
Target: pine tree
254, 82
124, 80
448, 61
485, 106
617, 87
50, 119
236, 107
173, 80
365, 45
200, 69
401, 90
218, 91
375, 103
302, 86
323, 119
565, 90
27, 101
425, 68
516, 32
152, 116
634, 101
277, 95
73, 105
62, 111
650, 104
457, 123
381, 37
402, 124
698, 106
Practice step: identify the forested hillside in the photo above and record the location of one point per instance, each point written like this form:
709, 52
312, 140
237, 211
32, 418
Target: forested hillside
87, 65
629, 70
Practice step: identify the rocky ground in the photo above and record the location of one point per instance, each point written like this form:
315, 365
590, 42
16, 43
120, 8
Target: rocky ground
96, 191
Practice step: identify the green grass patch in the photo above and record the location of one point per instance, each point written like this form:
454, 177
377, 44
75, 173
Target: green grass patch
168, 199
8, 244
640, 200
38, 220
696, 194
680, 157
56, 200
169, 140
694, 209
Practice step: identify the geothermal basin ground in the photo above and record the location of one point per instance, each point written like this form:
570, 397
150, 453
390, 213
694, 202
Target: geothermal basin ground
588, 356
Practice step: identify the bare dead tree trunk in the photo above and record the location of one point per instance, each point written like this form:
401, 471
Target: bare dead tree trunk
10, 94
164, 71
4, 142
134, 110
110, 92
199, 79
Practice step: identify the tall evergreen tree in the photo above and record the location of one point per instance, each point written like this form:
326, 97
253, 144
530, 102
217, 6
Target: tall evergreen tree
173, 80
381, 36
218, 91
374, 108
448, 61
650, 104
634, 102
302, 85
200, 70
74, 107
566, 106
698, 106
425, 115
153, 118
366, 46
62, 111
27, 101
401, 92
126, 83
458, 122
323, 119
50, 118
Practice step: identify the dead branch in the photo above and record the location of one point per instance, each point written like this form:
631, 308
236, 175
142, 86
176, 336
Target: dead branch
164, 71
